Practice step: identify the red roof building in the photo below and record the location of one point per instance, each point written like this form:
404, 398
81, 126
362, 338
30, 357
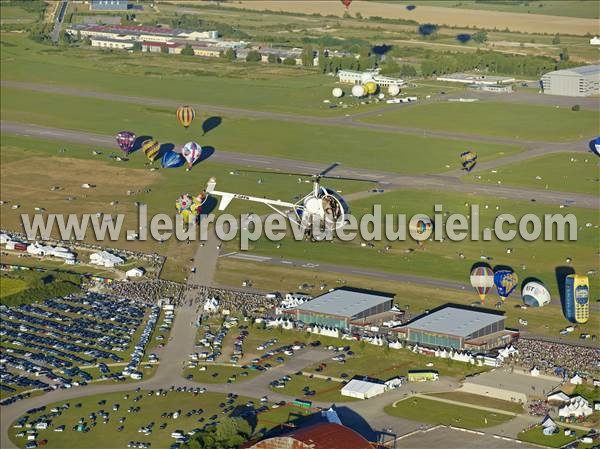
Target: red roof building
318, 436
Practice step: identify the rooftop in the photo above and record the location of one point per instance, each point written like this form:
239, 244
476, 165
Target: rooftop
454, 320
585, 70
345, 302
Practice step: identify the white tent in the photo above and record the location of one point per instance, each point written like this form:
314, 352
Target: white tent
362, 389
558, 396
576, 380
134, 273
211, 305
576, 407
105, 259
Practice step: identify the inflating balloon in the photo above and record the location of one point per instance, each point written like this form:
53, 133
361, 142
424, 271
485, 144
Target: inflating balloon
506, 281
482, 280
171, 159
126, 141
468, 160
191, 151
151, 149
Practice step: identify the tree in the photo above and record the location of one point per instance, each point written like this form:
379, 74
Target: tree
137, 46
229, 54
389, 66
480, 37
575, 107
408, 70
307, 56
164, 49
359, 16
253, 56
187, 50
273, 59
564, 55
556, 39
289, 61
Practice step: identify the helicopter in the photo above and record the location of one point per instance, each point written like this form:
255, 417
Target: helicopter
322, 205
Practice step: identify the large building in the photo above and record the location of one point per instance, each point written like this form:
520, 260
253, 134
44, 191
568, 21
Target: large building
318, 436
343, 307
458, 327
354, 77
108, 5
575, 82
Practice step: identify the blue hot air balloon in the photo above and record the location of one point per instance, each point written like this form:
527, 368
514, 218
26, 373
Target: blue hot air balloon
171, 160
505, 281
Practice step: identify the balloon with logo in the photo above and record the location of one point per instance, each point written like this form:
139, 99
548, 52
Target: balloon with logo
185, 115
151, 149
482, 280
188, 207
506, 281
126, 141
171, 159
191, 151
420, 228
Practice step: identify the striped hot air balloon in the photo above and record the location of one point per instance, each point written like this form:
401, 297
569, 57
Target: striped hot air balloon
185, 115
482, 280
151, 148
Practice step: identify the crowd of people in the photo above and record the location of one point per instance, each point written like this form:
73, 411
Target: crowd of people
239, 301
557, 358
149, 291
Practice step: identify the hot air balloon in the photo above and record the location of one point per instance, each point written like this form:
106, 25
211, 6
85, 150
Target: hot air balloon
482, 280
171, 159
185, 115
371, 87
468, 159
188, 207
597, 145
577, 298
126, 141
151, 148
393, 90
337, 92
420, 229
346, 3
358, 91
535, 294
191, 151
506, 281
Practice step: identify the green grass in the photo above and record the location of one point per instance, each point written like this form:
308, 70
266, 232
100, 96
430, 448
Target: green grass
482, 401
351, 147
520, 121
535, 435
151, 409
435, 412
570, 8
567, 172
326, 391
10, 286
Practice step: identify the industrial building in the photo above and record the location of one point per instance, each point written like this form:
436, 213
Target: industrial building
342, 307
108, 5
354, 77
476, 79
575, 82
459, 327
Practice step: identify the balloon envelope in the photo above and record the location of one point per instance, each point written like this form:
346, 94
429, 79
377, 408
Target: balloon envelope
482, 280
185, 115
371, 87
597, 144
151, 148
171, 160
535, 294
358, 91
337, 92
346, 3
394, 90
468, 160
191, 151
126, 141
506, 281
188, 207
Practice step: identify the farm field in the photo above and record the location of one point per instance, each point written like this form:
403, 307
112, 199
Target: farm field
520, 121
436, 412
151, 406
10, 286
353, 147
567, 172
431, 14
481, 401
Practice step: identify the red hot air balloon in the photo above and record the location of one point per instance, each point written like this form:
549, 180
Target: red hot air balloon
346, 3
126, 140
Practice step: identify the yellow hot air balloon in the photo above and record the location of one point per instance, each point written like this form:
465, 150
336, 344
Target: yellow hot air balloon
151, 148
371, 87
185, 115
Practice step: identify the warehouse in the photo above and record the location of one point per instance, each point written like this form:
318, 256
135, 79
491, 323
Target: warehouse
459, 327
342, 307
575, 82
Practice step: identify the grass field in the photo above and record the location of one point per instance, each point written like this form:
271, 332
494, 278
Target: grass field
10, 286
520, 121
218, 374
325, 391
352, 147
151, 409
482, 401
436, 412
567, 172
535, 435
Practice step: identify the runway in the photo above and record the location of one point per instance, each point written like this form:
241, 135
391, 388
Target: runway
441, 182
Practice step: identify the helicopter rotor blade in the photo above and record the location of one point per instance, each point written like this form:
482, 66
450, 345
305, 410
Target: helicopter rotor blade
328, 169
307, 175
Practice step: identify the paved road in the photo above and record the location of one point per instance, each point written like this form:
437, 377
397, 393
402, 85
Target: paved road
439, 182
345, 121
60, 15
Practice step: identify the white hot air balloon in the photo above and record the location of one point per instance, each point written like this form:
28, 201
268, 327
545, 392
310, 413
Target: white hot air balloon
535, 294
191, 151
394, 90
358, 91
337, 92
381, 96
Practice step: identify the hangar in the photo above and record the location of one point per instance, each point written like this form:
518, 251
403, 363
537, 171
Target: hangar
344, 306
459, 327
575, 82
